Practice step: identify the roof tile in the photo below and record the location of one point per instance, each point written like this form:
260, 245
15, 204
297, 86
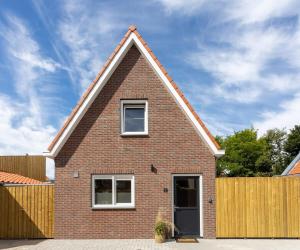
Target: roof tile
16, 179
295, 169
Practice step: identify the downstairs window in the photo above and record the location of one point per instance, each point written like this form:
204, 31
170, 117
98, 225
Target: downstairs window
113, 191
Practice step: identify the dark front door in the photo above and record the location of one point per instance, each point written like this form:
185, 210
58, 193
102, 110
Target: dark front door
186, 205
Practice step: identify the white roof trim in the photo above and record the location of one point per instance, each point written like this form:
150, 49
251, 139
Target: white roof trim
105, 77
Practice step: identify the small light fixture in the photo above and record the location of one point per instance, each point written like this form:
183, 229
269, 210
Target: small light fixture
153, 169
210, 200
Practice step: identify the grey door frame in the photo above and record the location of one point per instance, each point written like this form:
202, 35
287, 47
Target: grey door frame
200, 200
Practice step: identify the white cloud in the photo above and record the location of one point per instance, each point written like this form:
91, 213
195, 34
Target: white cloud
287, 117
28, 64
24, 137
252, 55
243, 11
253, 11
241, 67
220, 128
35, 61
238, 55
23, 47
185, 7
23, 115
87, 34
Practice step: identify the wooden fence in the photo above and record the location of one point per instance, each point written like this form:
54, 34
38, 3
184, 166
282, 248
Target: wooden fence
262, 207
32, 166
258, 207
26, 211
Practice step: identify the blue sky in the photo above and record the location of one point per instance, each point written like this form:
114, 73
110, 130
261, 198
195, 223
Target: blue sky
238, 62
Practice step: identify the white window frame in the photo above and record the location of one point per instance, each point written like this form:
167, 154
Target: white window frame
200, 202
134, 103
114, 179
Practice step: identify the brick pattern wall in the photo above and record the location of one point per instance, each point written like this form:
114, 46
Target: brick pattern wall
96, 147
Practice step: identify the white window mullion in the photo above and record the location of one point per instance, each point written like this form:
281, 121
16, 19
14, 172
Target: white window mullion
132, 191
93, 191
146, 118
113, 191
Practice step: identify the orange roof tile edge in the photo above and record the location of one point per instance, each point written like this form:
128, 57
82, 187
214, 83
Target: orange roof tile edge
131, 29
295, 169
16, 179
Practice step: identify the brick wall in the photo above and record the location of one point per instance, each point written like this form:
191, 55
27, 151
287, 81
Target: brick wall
96, 147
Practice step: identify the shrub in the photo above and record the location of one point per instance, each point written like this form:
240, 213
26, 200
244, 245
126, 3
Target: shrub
161, 228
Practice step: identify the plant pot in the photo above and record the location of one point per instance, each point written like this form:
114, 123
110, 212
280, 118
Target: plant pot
159, 238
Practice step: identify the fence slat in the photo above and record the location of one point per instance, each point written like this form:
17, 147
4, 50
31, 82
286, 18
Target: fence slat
26, 211
32, 166
258, 207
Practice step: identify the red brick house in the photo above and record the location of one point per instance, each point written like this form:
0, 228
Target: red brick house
133, 147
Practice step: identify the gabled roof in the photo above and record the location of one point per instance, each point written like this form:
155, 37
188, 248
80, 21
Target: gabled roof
294, 167
10, 178
130, 38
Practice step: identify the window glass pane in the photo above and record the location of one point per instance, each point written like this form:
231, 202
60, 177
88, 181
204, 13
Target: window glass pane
123, 191
103, 191
186, 192
134, 119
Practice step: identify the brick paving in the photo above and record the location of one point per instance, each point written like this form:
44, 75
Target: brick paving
141, 244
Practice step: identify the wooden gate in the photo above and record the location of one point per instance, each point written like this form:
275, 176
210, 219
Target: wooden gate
258, 207
26, 211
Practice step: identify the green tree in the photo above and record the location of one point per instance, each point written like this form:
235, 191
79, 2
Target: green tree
246, 155
276, 139
292, 145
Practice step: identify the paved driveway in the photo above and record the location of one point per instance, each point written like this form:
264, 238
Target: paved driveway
150, 244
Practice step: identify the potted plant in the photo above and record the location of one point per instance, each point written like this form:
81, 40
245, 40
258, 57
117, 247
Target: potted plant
160, 231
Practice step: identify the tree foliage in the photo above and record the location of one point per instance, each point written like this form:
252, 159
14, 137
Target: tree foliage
245, 154
292, 145
250, 155
276, 140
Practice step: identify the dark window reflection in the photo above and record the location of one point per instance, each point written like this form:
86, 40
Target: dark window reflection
186, 192
124, 191
134, 119
103, 191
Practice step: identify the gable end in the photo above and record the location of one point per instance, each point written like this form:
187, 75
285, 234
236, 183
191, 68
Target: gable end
131, 37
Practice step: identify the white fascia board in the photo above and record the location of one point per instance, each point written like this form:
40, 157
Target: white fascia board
220, 153
178, 99
105, 77
90, 98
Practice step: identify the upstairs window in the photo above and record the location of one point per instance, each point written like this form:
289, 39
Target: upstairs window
134, 117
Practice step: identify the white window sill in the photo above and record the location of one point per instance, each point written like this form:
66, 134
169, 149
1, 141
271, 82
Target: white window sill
113, 207
134, 133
